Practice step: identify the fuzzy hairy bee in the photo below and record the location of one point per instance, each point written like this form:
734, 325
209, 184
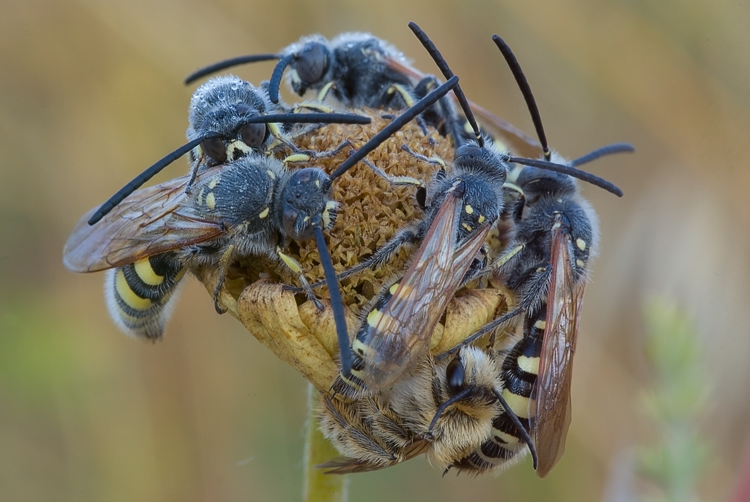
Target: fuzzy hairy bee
443, 410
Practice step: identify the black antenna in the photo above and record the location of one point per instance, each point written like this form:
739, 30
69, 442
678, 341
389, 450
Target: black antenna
521, 429
308, 118
278, 71
297, 118
445, 405
569, 170
447, 73
146, 175
395, 125
523, 84
600, 152
337, 304
228, 63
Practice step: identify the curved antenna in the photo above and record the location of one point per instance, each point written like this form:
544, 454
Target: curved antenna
228, 63
395, 125
275, 82
601, 152
442, 64
569, 170
445, 405
523, 84
521, 429
146, 175
337, 304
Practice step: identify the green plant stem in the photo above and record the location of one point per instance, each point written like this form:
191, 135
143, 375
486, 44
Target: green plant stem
319, 487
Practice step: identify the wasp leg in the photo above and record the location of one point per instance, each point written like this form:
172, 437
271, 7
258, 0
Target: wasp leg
296, 268
308, 155
394, 180
224, 262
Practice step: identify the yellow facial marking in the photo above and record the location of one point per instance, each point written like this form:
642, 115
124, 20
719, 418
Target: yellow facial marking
529, 364
519, 404
214, 181
128, 295
373, 318
211, 200
146, 273
581, 244
237, 145
264, 213
469, 209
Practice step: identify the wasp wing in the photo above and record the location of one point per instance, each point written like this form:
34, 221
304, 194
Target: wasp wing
506, 135
148, 222
552, 391
404, 326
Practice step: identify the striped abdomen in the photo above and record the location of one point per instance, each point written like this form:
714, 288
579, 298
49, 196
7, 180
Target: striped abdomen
519, 374
138, 295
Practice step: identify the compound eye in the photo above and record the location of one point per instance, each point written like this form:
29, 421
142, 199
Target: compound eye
471, 151
214, 149
455, 375
312, 62
253, 135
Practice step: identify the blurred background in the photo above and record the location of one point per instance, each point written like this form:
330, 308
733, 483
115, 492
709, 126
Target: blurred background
91, 93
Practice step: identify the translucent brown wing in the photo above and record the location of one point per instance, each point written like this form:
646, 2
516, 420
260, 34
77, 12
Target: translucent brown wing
552, 391
148, 222
405, 325
507, 135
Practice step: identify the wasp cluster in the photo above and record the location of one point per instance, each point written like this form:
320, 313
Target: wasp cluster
457, 268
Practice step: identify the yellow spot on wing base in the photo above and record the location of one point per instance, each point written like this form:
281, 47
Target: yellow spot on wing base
264, 213
469, 209
128, 295
211, 200
581, 244
146, 273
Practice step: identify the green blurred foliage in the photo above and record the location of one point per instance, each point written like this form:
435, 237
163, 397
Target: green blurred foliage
91, 93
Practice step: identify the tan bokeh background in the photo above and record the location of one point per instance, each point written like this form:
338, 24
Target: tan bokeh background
91, 93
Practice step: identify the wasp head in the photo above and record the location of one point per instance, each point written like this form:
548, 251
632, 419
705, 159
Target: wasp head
306, 202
